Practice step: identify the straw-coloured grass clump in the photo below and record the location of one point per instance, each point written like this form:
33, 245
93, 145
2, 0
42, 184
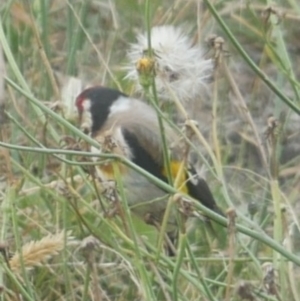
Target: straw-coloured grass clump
35, 253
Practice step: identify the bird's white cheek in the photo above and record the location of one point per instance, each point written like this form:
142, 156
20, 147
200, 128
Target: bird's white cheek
86, 105
86, 122
86, 118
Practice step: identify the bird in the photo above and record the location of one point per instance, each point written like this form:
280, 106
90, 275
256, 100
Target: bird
133, 128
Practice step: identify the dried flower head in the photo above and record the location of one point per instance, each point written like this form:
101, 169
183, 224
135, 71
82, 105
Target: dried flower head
180, 68
36, 252
71, 87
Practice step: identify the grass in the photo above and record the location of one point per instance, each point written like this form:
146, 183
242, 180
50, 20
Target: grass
58, 241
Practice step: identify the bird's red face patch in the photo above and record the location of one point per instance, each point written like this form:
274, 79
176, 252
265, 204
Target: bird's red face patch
82, 97
79, 102
83, 102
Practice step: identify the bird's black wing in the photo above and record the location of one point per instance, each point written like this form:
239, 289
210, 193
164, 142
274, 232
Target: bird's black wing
199, 190
196, 186
141, 157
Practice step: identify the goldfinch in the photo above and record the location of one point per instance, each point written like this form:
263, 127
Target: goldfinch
133, 127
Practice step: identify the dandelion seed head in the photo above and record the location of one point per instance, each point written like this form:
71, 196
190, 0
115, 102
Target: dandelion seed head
180, 67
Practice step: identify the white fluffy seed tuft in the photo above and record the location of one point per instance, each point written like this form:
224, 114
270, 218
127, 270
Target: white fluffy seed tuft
181, 69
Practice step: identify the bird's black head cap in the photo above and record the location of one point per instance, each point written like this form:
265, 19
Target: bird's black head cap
100, 100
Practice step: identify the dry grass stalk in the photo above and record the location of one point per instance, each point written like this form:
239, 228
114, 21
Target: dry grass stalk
36, 252
231, 214
2, 86
56, 184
